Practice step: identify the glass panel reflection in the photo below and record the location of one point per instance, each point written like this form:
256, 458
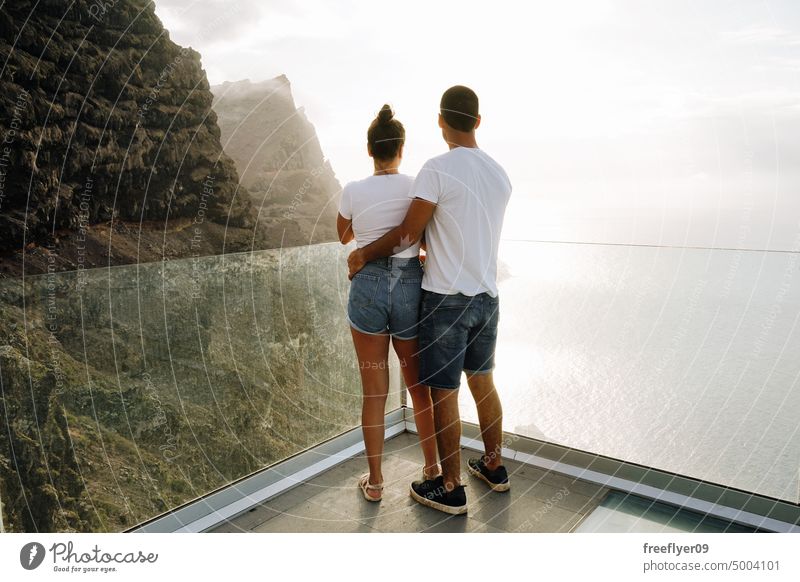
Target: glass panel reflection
128, 391
679, 359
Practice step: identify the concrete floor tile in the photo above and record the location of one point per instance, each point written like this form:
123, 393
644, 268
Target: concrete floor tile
562, 495
310, 517
248, 520
585, 488
519, 509
331, 502
460, 525
414, 518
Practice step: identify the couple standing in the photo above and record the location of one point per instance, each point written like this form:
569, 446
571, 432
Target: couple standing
441, 318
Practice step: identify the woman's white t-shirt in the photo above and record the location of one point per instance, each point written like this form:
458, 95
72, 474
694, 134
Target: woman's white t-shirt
376, 205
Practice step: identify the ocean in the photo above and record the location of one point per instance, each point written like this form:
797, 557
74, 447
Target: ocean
682, 359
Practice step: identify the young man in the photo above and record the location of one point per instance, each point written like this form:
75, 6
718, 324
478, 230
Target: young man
459, 201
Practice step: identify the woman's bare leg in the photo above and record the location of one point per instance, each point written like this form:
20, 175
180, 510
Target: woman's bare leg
408, 354
373, 353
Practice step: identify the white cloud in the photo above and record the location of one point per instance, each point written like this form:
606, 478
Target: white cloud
201, 23
773, 35
614, 92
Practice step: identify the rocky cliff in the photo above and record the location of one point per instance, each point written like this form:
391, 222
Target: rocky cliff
129, 391
125, 392
110, 149
280, 161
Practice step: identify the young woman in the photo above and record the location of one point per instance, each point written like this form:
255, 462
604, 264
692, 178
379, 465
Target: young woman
383, 305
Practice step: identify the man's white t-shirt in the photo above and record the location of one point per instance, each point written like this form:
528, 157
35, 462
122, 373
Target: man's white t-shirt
376, 205
471, 192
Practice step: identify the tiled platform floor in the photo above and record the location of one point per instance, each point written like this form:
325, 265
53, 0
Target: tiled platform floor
539, 501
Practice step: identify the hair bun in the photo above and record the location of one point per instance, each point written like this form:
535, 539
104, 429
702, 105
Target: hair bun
385, 115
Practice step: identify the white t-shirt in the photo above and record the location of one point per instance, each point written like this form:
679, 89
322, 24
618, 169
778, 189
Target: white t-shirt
376, 205
471, 192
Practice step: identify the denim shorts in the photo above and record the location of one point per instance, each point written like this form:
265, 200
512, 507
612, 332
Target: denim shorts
384, 297
456, 333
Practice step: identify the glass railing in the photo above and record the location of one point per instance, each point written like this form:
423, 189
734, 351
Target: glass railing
130, 390
684, 360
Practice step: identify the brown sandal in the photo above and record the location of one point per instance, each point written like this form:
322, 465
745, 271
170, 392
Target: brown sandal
365, 486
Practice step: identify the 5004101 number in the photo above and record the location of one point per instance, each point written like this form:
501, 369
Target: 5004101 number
755, 565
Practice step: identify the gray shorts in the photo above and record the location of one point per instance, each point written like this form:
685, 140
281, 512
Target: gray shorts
385, 296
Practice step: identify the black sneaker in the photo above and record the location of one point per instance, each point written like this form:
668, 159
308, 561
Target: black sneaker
497, 479
433, 494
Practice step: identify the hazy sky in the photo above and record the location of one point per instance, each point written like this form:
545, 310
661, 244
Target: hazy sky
644, 121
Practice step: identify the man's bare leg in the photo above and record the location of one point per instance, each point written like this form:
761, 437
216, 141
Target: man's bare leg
447, 420
490, 416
